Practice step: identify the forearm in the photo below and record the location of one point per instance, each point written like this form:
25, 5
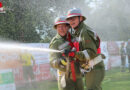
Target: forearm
85, 55
56, 65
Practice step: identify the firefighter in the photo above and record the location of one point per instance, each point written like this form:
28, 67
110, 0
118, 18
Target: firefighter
89, 48
123, 57
57, 61
128, 53
28, 61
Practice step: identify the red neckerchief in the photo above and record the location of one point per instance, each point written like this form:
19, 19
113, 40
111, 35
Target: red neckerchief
72, 61
98, 49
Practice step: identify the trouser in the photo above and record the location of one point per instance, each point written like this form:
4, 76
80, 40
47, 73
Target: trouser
71, 85
59, 85
129, 67
94, 79
28, 72
123, 63
129, 62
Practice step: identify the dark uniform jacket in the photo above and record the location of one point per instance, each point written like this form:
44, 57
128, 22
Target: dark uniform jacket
88, 44
56, 42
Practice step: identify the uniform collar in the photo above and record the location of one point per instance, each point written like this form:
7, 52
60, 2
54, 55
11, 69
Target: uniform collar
77, 32
58, 36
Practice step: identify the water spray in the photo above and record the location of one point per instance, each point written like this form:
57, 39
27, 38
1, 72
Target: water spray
13, 46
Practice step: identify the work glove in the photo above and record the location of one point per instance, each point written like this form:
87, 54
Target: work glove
65, 52
96, 60
62, 61
103, 56
88, 65
69, 52
91, 63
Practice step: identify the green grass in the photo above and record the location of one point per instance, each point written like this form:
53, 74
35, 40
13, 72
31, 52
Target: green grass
114, 80
43, 85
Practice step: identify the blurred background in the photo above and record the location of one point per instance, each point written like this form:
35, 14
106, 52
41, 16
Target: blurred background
30, 23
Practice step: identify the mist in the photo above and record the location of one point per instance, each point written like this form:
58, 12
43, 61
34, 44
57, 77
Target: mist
111, 20
28, 25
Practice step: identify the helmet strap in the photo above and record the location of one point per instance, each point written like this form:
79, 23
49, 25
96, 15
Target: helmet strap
78, 24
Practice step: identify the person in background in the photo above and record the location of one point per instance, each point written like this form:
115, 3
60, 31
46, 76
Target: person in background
27, 61
123, 56
128, 53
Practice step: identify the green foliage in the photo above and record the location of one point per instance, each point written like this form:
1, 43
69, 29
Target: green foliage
18, 22
24, 17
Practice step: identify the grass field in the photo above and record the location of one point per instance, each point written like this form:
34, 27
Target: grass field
114, 80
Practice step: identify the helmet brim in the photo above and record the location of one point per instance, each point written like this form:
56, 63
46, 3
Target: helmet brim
60, 23
84, 18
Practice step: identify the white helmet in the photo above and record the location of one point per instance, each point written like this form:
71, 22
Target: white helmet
74, 12
60, 20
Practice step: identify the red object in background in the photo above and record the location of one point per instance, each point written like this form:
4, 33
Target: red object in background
18, 75
42, 72
1, 4
113, 48
114, 61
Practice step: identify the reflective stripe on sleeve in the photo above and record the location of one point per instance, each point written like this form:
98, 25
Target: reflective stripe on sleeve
86, 54
54, 62
62, 46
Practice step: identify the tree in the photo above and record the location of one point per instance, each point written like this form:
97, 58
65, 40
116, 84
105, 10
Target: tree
111, 20
30, 20
18, 23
